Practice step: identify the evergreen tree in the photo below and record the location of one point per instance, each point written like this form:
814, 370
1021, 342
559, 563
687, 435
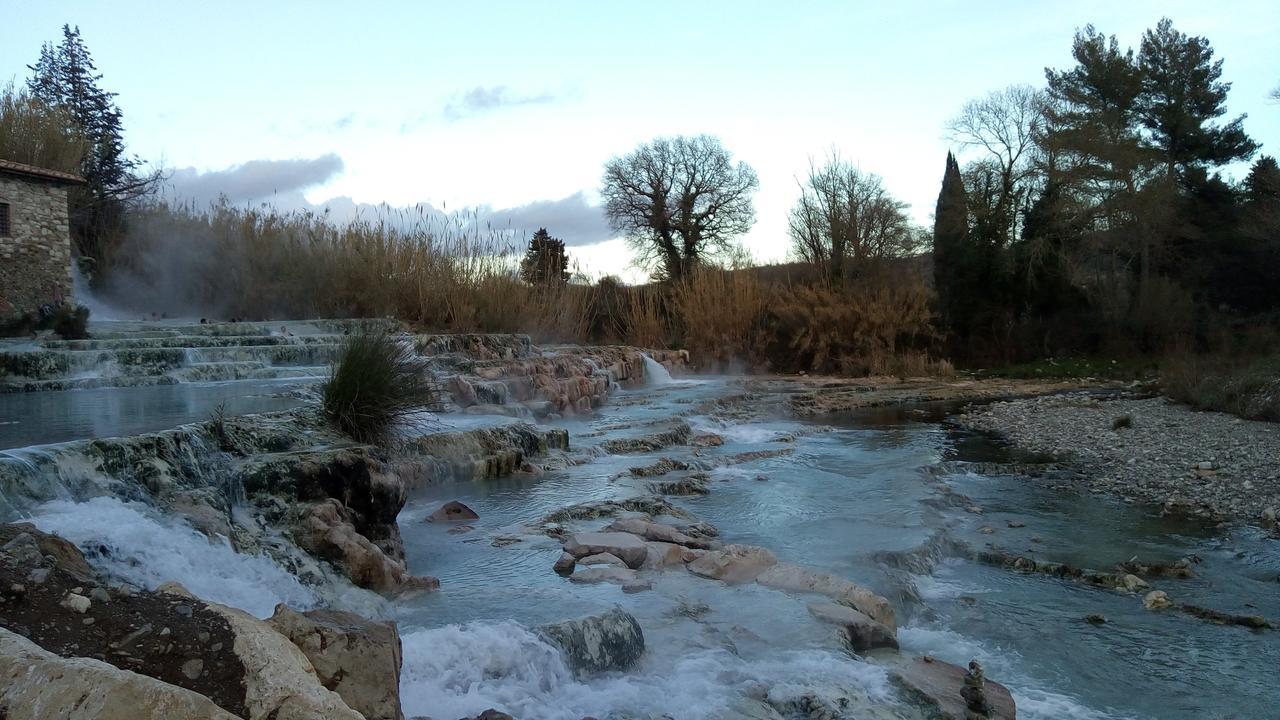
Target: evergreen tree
66, 77
1182, 95
950, 234
545, 262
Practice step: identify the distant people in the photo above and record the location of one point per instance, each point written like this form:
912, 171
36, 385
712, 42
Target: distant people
204, 321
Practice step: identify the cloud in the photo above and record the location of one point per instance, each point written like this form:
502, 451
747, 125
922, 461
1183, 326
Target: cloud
254, 180
482, 100
344, 122
571, 219
282, 183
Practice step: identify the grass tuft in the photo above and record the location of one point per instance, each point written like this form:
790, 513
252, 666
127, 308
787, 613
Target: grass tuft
375, 381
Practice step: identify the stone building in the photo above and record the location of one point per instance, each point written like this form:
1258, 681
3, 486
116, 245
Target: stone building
35, 238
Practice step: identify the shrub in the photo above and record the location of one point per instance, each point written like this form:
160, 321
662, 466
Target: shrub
1249, 389
71, 323
375, 381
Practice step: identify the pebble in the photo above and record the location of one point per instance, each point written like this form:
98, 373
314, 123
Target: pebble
99, 595
192, 668
1201, 464
75, 603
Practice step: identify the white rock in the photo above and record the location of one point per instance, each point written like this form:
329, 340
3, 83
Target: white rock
75, 603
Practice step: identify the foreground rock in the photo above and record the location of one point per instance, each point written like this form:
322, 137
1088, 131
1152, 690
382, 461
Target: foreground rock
800, 579
598, 643
35, 684
859, 632
453, 511
279, 683
357, 658
938, 686
735, 564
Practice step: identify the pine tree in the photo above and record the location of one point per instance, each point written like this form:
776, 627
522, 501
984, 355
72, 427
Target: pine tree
545, 262
1182, 94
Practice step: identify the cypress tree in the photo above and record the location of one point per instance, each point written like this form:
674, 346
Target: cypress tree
950, 237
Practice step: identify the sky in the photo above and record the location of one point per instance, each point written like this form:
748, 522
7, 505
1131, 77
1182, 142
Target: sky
509, 110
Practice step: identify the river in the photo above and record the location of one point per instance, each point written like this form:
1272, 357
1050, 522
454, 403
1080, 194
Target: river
850, 488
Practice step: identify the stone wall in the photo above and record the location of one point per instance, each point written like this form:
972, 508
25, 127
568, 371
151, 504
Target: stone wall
35, 259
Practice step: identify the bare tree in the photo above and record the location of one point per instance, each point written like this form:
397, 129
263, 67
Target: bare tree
1003, 126
679, 201
845, 218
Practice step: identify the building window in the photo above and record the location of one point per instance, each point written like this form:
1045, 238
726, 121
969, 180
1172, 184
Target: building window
4, 219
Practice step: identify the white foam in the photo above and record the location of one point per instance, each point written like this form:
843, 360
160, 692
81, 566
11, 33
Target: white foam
128, 541
462, 670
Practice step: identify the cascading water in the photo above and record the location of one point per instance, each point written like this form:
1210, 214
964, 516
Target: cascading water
655, 373
130, 542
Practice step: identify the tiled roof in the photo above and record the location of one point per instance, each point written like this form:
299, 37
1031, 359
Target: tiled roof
8, 167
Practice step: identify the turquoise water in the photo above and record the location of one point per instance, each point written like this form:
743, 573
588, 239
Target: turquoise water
853, 486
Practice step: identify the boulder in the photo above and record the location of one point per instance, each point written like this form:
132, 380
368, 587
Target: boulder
565, 564
37, 685
735, 564
598, 643
698, 483
936, 685
785, 576
657, 532
860, 632
357, 658
66, 556
325, 530
662, 555
453, 511
602, 559
629, 548
280, 683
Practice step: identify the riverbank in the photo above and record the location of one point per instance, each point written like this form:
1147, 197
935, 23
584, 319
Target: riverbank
1149, 450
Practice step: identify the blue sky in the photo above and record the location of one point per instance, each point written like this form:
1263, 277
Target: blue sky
515, 106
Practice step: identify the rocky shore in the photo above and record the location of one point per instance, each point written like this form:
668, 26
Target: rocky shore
1149, 450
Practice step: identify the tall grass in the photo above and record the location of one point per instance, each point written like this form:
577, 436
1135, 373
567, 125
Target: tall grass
1249, 388
375, 381
35, 134
452, 276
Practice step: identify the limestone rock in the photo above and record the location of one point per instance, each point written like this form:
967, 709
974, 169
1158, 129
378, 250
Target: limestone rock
279, 683
604, 573
861, 632
602, 559
629, 548
662, 555
795, 578
565, 564
937, 685
66, 556
598, 643
657, 532
453, 511
1156, 600
735, 564
325, 530
37, 685
357, 658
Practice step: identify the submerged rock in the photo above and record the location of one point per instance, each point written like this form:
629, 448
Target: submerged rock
1156, 600
598, 643
357, 658
938, 686
453, 511
678, 433
604, 574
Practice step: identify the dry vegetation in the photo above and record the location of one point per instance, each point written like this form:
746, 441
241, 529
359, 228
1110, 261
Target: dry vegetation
261, 264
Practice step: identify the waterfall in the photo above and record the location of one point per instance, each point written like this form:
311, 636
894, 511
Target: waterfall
655, 373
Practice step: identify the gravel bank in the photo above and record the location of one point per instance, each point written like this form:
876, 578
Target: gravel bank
1204, 464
